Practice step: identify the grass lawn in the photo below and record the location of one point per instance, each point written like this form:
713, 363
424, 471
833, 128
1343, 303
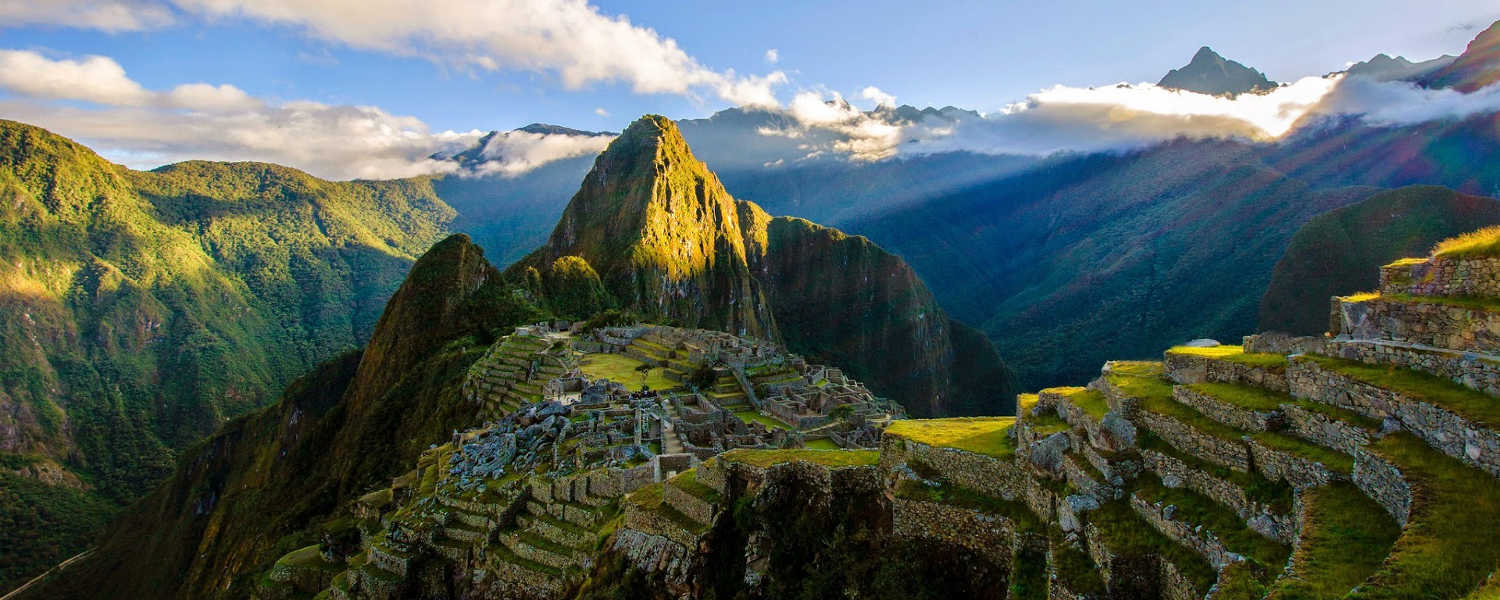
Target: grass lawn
754, 416
687, 481
621, 369
981, 435
1448, 547
829, 458
1234, 354
821, 444
1243, 396
1346, 537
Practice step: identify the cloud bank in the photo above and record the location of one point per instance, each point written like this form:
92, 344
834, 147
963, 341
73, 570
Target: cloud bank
1121, 116
512, 153
215, 122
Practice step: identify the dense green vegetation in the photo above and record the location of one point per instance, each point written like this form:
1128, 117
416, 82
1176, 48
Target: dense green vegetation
268, 483
45, 524
140, 311
1340, 252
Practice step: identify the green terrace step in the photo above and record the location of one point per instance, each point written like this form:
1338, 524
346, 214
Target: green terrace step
1252, 492
503, 554
525, 547
953, 495
1074, 571
1208, 519
1447, 548
1455, 419
1226, 364
1345, 537
1275, 455
558, 531
1124, 533
1240, 406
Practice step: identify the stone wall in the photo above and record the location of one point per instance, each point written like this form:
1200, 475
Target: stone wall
984, 474
994, 536
1442, 277
1443, 430
1191, 368
654, 523
1422, 323
1232, 454
1175, 585
1381, 480
1474, 371
1197, 540
1224, 412
655, 554
1325, 431
696, 508
1293, 469
1174, 473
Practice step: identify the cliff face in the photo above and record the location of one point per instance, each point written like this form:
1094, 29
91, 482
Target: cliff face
847, 302
669, 243
272, 481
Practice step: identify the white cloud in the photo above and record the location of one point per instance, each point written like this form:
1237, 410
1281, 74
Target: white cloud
211, 98
1401, 103
216, 122
878, 96
1051, 120
772, 56
92, 78
568, 37
601, 112
512, 153
106, 15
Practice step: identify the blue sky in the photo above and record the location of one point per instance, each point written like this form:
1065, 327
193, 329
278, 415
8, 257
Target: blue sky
973, 55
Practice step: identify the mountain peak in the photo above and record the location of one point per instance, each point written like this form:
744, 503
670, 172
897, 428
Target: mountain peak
663, 234
1210, 73
1477, 67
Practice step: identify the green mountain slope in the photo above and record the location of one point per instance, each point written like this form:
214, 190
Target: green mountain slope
139, 311
1340, 252
1089, 258
270, 482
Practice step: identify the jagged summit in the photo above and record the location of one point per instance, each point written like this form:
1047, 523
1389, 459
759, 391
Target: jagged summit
662, 232
1382, 67
1210, 73
1477, 67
